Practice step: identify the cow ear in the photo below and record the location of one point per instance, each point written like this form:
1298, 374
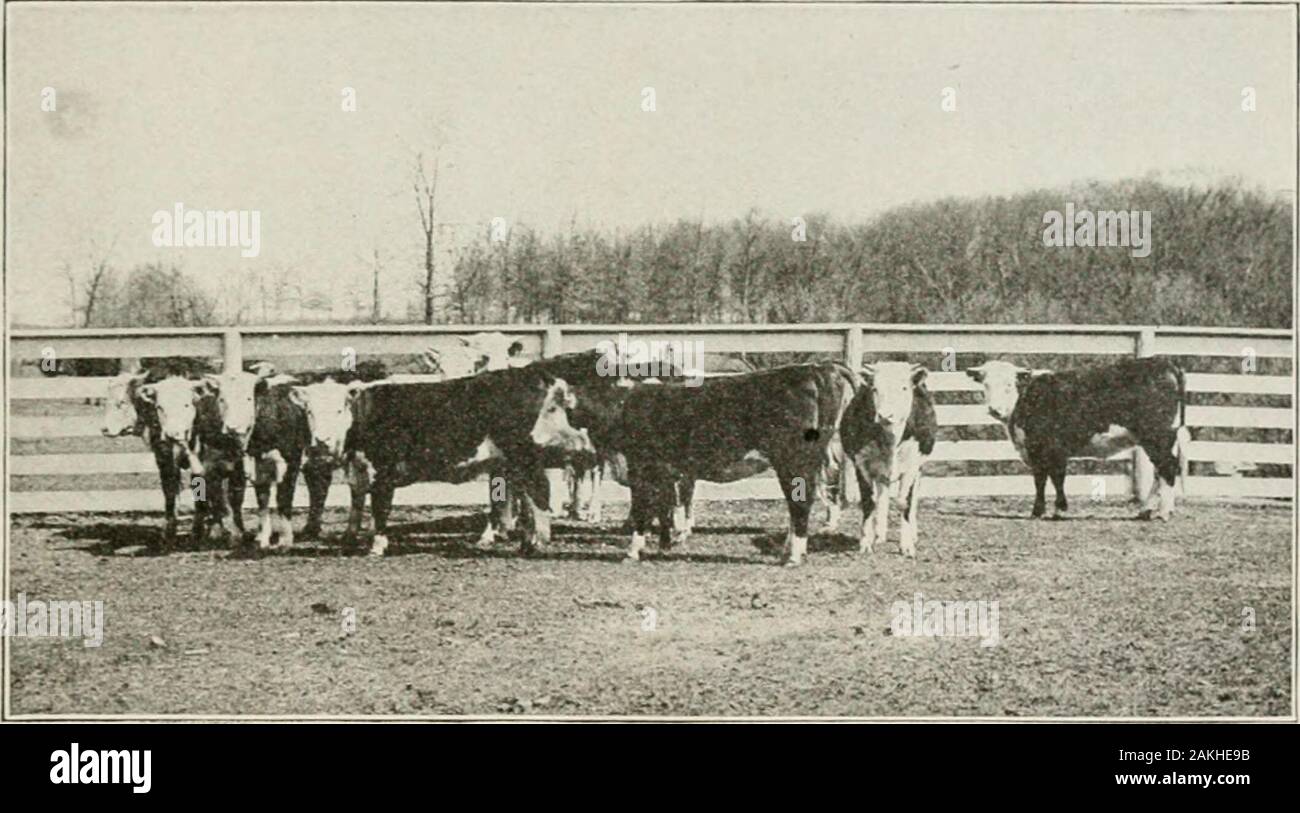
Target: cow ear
262, 369
918, 374
149, 393
977, 373
1023, 378
298, 397
869, 370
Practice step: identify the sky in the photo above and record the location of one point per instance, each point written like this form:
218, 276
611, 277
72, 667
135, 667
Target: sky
536, 115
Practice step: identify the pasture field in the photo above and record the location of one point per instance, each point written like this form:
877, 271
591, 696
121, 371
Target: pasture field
1098, 615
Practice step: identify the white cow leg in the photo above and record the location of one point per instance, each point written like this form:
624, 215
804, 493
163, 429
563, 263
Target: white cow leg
638, 545
798, 546
489, 535
681, 525
1167, 493
867, 539
907, 530
881, 515
379, 544
286, 530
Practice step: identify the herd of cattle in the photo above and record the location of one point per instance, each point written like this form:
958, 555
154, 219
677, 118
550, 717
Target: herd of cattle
492, 413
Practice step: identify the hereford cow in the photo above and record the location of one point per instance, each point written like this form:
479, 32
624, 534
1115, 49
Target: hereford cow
1092, 412
727, 429
177, 419
450, 431
887, 433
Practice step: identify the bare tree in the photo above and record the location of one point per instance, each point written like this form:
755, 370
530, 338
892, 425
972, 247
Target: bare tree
426, 191
91, 288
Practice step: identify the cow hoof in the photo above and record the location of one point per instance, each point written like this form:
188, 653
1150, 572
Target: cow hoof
792, 562
632, 559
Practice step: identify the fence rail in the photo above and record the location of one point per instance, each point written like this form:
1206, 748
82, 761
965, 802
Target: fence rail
52, 467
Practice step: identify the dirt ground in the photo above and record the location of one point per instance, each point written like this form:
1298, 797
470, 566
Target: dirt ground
1097, 615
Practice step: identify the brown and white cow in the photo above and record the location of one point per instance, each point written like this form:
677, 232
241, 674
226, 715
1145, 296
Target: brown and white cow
449, 431
177, 419
887, 432
1092, 412
726, 429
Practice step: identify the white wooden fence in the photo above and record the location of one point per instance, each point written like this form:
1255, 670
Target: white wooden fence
1251, 349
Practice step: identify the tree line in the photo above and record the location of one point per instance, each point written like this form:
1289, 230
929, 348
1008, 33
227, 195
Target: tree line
1220, 255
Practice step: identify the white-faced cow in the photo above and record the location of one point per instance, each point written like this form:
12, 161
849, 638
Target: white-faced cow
726, 429
888, 432
449, 431
177, 418
1091, 412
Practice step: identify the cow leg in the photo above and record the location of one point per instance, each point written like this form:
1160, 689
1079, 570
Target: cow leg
867, 495
1162, 448
595, 505
1040, 488
500, 505
534, 488
360, 474
381, 504
799, 507
682, 519
169, 475
209, 490
238, 483
318, 476
909, 492
264, 478
1058, 484
641, 512
284, 499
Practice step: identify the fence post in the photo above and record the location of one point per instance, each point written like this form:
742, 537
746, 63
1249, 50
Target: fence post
853, 348
552, 342
232, 351
1144, 473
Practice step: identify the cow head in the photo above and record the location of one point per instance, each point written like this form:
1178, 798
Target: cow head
236, 398
892, 385
120, 416
175, 400
472, 355
1002, 381
552, 429
328, 407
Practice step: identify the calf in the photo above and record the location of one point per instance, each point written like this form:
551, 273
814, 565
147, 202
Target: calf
727, 429
1092, 412
276, 444
163, 411
326, 404
228, 438
887, 433
448, 431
